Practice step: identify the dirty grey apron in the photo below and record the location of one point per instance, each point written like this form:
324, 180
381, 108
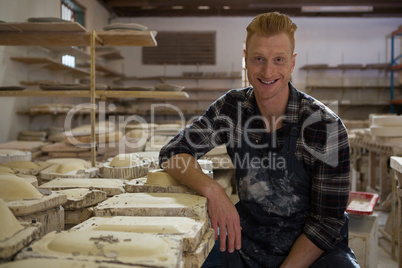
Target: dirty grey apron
274, 200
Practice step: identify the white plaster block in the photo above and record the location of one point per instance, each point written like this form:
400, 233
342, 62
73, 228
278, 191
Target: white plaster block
110, 186
108, 247
153, 204
190, 230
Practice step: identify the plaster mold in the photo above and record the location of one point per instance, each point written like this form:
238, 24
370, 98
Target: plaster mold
30, 179
125, 160
190, 230
13, 188
14, 235
140, 186
162, 178
196, 258
26, 167
41, 263
82, 198
110, 186
108, 247
34, 205
394, 131
385, 120
10, 155
8, 224
65, 160
50, 219
69, 169
73, 217
6, 170
153, 204
126, 166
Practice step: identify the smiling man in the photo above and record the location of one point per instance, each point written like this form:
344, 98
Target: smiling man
291, 155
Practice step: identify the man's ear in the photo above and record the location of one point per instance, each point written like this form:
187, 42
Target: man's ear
245, 57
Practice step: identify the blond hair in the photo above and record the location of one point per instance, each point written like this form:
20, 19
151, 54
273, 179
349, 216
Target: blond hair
272, 23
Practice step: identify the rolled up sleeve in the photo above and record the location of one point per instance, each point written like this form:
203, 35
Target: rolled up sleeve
330, 184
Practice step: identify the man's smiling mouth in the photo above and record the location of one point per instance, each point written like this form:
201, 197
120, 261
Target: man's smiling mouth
268, 82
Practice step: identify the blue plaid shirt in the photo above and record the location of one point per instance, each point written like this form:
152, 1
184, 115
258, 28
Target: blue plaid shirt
322, 149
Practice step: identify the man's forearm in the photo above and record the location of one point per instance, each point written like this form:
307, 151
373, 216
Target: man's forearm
186, 169
303, 253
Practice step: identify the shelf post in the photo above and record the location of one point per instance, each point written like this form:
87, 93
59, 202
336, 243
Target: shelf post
93, 96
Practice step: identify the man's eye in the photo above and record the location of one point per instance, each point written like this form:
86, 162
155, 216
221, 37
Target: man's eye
279, 60
259, 59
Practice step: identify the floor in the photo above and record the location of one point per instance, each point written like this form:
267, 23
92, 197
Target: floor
384, 246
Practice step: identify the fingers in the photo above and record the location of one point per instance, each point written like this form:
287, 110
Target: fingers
214, 226
237, 240
231, 237
222, 238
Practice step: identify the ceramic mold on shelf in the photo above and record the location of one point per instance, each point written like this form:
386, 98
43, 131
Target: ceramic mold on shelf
110, 186
126, 166
27, 203
108, 247
190, 230
69, 169
153, 204
14, 235
10, 155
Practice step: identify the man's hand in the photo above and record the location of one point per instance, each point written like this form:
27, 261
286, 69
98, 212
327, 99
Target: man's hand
224, 216
221, 210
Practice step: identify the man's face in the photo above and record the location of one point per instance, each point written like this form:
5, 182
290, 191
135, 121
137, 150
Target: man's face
269, 63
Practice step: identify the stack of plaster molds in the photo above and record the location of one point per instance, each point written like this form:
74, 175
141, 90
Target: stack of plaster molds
68, 168
34, 147
386, 130
108, 248
41, 263
79, 205
126, 166
10, 155
27, 203
198, 239
153, 204
110, 186
14, 235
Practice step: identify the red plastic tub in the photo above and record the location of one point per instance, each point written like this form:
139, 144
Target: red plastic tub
361, 203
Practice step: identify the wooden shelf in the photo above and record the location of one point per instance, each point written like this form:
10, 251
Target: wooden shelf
50, 64
69, 34
379, 66
99, 94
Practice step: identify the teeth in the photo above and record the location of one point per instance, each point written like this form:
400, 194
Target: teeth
268, 83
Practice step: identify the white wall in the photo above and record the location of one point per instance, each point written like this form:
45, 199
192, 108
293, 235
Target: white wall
318, 40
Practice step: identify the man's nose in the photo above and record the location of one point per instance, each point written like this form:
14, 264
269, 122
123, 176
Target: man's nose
267, 69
